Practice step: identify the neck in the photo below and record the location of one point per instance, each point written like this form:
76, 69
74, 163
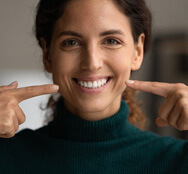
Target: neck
74, 128
96, 114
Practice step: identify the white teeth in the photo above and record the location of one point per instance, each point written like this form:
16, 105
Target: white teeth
89, 85
81, 83
104, 81
85, 84
99, 83
94, 84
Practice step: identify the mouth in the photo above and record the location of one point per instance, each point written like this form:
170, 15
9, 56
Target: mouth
92, 84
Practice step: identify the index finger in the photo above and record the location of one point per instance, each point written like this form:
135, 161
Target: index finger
32, 91
158, 88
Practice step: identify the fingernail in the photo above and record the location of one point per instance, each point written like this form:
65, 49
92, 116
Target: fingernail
130, 81
13, 83
55, 87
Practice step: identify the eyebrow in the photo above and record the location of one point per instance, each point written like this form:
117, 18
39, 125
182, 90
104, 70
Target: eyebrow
109, 32
69, 33
105, 33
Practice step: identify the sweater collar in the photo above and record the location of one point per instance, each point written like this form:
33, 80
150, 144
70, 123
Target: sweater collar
73, 128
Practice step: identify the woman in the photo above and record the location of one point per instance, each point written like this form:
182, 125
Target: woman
91, 47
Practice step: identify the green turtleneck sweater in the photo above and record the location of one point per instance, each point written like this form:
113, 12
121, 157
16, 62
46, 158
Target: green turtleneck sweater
70, 145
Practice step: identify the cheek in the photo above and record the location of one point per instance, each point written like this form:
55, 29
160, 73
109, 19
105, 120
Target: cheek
62, 67
122, 65
122, 70
61, 72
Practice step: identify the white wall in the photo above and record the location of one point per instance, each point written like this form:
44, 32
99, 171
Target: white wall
20, 57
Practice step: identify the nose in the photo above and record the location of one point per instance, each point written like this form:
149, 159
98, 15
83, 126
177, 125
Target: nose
91, 58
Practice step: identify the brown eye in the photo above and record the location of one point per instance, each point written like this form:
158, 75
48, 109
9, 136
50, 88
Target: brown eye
69, 43
111, 42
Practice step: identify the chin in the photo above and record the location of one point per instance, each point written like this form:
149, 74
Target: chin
92, 106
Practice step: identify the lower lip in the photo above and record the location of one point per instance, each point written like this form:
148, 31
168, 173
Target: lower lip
93, 90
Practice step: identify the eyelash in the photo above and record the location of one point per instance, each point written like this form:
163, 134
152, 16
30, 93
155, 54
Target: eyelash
112, 39
69, 43
74, 43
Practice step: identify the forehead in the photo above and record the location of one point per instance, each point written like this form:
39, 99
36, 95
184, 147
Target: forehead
92, 15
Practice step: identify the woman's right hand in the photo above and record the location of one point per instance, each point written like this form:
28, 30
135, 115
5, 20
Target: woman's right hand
11, 115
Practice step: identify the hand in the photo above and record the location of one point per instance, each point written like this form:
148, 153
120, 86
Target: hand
11, 115
174, 111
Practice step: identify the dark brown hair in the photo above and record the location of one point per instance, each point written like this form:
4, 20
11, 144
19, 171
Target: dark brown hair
49, 11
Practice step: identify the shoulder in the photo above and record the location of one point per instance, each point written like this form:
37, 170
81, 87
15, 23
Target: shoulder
26, 137
156, 142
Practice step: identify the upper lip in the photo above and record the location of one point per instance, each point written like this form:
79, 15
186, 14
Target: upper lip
91, 78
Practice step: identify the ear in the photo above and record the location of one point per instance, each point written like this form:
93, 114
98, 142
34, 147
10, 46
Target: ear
46, 57
139, 53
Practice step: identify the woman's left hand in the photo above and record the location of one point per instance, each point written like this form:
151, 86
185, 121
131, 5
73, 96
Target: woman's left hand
174, 111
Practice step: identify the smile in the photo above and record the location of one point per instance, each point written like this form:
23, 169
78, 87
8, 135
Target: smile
92, 84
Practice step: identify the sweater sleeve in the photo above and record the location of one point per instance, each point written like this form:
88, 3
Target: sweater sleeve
177, 153
168, 153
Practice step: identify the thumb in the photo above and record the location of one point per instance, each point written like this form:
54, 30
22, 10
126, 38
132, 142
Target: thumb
160, 123
13, 85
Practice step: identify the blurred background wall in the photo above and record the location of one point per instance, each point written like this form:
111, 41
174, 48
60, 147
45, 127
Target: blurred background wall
21, 58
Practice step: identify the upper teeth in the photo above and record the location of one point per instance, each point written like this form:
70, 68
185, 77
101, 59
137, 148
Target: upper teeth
94, 84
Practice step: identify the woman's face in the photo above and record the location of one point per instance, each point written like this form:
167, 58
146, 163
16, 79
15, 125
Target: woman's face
91, 55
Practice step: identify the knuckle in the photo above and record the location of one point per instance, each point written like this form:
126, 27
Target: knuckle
171, 122
9, 114
179, 126
155, 84
180, 85
182, 126
22, 120
185, 119
10, 134
29, 90
182, 102
6, 123
4, 95
16, 128
161, 115
8, 131
46, 88
180, 93
10, 103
